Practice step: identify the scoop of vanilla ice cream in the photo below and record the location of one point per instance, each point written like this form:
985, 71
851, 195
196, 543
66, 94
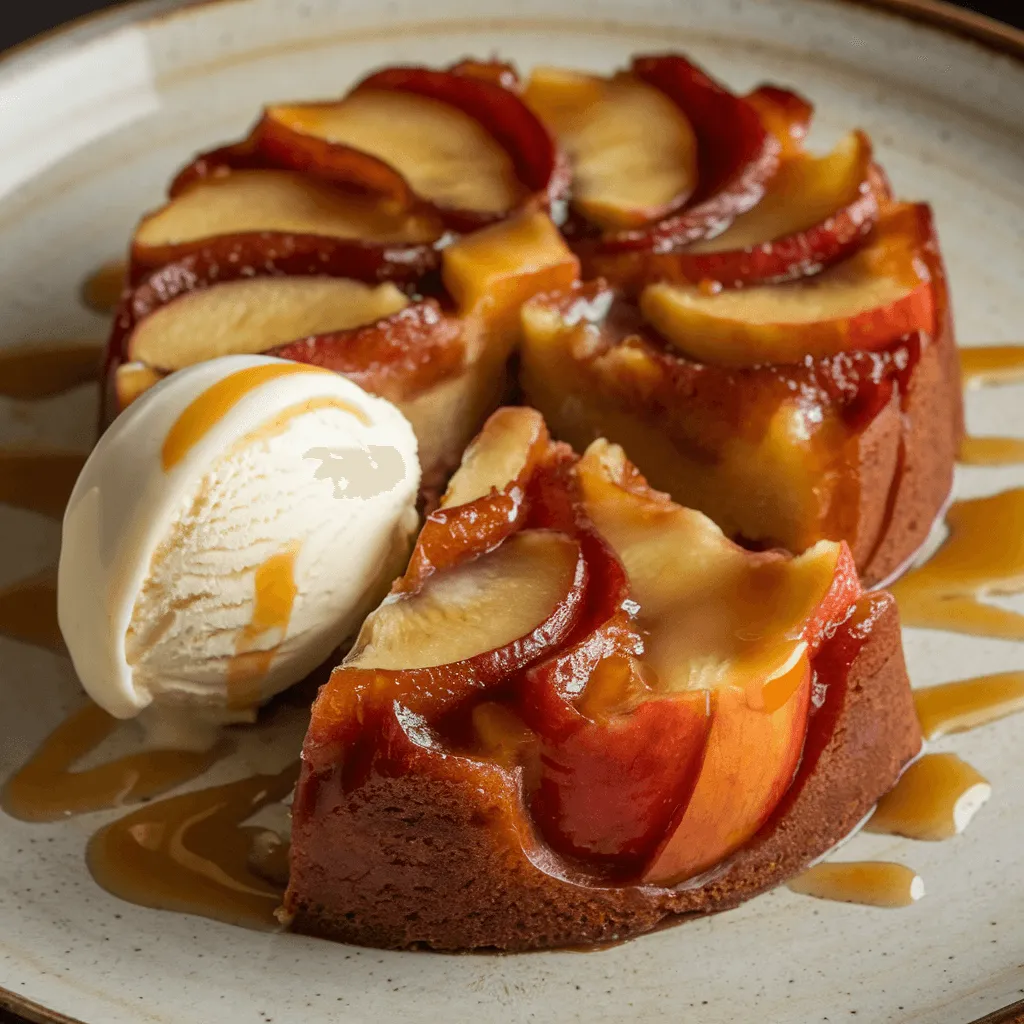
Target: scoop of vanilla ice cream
230, 529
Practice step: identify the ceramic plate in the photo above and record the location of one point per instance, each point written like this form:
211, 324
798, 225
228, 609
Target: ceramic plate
92, 122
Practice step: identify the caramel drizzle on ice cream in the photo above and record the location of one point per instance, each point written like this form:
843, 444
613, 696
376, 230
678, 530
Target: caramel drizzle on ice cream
274, 596
206, 411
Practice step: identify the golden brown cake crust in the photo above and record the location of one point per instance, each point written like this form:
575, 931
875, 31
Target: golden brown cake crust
447, 859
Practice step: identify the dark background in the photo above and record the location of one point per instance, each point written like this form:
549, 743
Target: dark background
19, 20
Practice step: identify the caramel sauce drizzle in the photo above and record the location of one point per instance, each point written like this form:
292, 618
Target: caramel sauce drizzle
274, 598
42, 370
982, 556
968, 703
194, 855
991, 451
39, 480
28, 612
101, 290
869, 882
935, 799
47, 788
982, 365
209, 408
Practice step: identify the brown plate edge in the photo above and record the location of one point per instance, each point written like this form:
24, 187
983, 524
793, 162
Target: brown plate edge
990, 33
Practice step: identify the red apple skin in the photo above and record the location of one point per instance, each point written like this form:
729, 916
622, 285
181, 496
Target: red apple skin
786, 114
787, 258
486, 96
487, 92
751, 759
356, 697
228, 257
736, 158
395, 358
608, 791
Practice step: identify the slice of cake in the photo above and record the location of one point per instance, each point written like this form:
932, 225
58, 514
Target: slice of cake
584, 710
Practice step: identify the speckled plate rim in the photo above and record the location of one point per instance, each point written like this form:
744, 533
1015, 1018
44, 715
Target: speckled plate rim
987, 32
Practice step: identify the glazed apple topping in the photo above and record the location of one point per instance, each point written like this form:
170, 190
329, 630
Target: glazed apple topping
647, 680
254, 315
878, 294
633, 151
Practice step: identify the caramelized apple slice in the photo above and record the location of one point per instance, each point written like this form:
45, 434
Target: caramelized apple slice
446, 156
484, 502
816, 211
736, 158
489, 94
398, 356
633, 152
785, 114
738, 625
270, 201
501, 456
255, 315
431, 649
867, 301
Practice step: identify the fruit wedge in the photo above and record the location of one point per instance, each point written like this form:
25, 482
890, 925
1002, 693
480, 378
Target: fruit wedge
633, 151
867, 301
736, 626
484, 502
283, 202
784, 113
736, 157
815, 211
429, 650
445, 156
255, 315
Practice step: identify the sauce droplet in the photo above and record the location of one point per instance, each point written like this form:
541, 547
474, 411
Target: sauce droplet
992, 364
872, 883
273, 600
34, 371
101, 290
39, 480
209, 408
935, 799
48, 789
983, 555
991, 451
194, 855
968, 703
28, 612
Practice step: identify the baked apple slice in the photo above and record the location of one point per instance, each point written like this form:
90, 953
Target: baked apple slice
785, 114
460, 143
735, 628
280, 202
736, 157
633, 151
881, 292
815, 212
255, 315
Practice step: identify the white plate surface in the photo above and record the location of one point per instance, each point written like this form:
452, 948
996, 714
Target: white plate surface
91, 126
